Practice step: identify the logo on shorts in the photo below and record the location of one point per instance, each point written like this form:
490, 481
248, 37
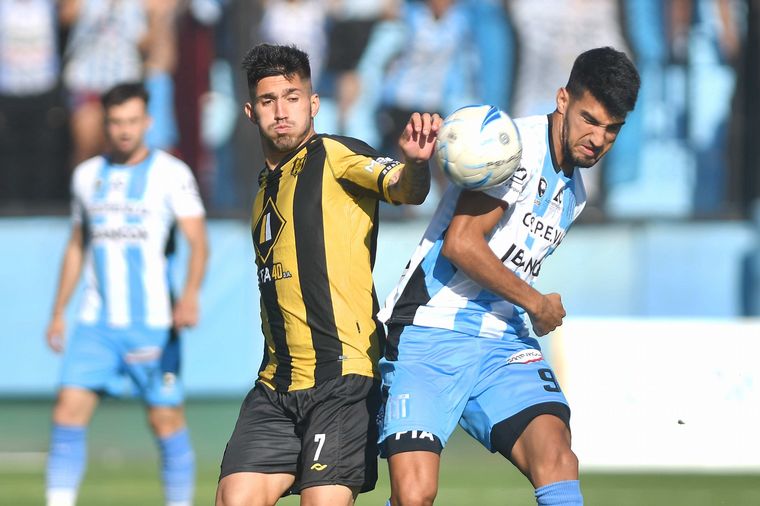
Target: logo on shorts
525, 357
168, 382
147, 354
318, 467
415, 435
169, 379
397, 407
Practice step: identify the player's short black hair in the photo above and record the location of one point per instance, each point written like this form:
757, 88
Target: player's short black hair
609, 76
123, 92
267, 60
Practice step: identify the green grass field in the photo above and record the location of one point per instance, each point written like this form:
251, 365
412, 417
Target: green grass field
123, 467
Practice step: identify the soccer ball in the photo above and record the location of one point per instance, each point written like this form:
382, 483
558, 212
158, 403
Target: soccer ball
478, 147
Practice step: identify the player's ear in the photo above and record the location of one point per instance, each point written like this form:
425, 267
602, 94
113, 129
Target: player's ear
249, 113
563, 97
314, 105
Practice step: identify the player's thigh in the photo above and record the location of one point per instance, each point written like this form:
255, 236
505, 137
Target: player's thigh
74, 406
542, 452
151, 358
264, 439
91, 360
339, 445
516, 385
426, 386
252, 489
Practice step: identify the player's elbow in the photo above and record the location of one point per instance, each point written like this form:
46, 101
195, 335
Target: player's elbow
454, 247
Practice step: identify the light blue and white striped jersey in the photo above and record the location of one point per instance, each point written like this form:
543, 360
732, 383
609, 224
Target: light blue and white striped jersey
541, 203
127, 214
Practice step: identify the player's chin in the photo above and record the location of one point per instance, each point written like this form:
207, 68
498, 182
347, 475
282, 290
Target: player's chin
285, 143
585, 162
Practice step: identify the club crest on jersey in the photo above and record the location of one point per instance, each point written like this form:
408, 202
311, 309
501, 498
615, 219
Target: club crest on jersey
298, 165
267, 230
542, 184
525, 357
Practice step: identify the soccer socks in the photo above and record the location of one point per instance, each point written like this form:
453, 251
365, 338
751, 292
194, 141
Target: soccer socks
561, 493
177, 468
67, 459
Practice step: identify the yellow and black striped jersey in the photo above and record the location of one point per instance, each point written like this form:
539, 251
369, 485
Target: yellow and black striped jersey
314, 228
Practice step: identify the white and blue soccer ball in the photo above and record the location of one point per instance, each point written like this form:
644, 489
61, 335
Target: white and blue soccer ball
478, 147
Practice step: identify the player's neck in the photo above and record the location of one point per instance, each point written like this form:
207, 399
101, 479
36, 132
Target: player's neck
132, 158
274, 157
556, 128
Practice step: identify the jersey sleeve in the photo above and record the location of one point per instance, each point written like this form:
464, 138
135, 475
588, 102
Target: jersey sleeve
84, 176
361, 169
184, 197
511, 190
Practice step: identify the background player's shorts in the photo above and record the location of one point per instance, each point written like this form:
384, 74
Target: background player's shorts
98, 358
442, 377
325, 435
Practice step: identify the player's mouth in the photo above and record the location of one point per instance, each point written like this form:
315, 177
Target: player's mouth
588, 151
281, 128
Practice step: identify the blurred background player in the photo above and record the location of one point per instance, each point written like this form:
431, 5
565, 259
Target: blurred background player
102, 50
459, 349
125, 205
309, 424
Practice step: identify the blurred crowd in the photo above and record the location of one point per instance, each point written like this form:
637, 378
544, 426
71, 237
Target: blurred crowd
688, 151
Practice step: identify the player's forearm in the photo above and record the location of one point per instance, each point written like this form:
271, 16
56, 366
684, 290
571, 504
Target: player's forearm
71, 268
196, 267
412, 184
473, 256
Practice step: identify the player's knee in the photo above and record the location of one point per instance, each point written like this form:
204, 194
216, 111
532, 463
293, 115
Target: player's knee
65, 415
557, 464
414, 495
70, 410
235, 496
165, 421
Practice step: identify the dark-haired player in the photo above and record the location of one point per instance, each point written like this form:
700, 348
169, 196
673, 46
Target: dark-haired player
459, 350
124, 207
309, 424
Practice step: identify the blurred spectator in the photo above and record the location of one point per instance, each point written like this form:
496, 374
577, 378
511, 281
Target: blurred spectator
350, 27
548, 39
196, 40
435, 45
745, 125
103, 49
32, 119
159, 65
495, 42
301, 23
705, 40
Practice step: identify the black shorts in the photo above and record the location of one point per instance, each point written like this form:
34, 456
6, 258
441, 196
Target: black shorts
326, 435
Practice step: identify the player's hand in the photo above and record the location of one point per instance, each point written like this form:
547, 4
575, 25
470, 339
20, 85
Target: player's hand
55, 333
417, 141
549, 314
186, 312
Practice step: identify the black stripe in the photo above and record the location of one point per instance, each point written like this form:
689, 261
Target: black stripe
282, 376
415, 294
309, 231
357, 146
391, 347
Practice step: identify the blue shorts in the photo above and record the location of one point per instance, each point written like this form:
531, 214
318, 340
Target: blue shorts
443, 377
99, 358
